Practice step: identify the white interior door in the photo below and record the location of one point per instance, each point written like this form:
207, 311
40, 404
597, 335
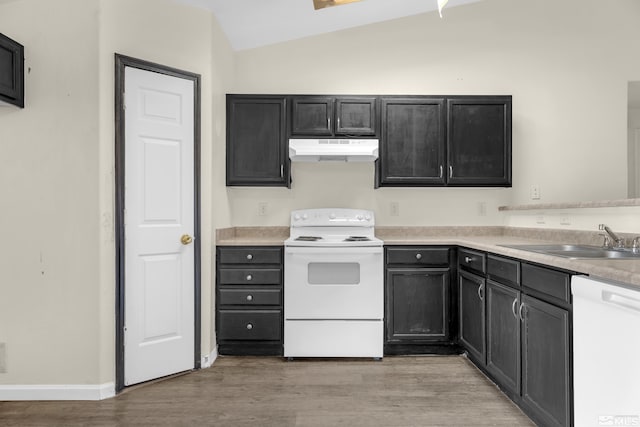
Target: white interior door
159, 211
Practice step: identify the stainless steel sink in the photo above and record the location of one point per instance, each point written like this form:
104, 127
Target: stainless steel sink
578, 251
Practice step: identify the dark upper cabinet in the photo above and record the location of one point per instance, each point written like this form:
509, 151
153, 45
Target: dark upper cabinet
257, 141
333, 116
449, 140
412, 151
479, 141
11, 72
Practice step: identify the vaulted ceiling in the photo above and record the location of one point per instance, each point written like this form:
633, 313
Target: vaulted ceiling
254, 23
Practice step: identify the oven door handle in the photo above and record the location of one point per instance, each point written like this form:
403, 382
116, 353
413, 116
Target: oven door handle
351, 250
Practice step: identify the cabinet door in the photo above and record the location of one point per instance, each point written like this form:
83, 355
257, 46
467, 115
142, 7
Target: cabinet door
312, 116
546, 362
356, 116
11, 72
503, 335
256, 141
417, 304
479, 141
412, 142
472, 315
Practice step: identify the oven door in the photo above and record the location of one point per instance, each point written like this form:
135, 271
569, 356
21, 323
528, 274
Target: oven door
333, 283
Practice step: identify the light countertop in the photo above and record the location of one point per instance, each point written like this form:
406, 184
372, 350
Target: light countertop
489, 239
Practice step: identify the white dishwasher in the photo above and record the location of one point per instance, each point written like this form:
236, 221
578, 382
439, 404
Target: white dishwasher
606, 353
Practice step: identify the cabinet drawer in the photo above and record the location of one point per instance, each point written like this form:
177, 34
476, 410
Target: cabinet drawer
472, 260
418, 255
250, 255
551, 282
503, 270
259, 325
250, 297
250, 276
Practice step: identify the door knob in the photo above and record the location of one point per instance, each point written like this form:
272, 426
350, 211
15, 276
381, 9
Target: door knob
186, 239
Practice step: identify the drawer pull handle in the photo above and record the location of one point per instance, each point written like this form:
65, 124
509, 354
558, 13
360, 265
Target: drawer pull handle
249, 326
468, 259
249, 297
418, 256
249, 257
249, 277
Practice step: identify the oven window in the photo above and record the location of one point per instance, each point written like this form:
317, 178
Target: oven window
334, 273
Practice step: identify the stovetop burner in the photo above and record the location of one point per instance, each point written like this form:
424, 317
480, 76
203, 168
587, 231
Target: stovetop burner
308, 238
357, 239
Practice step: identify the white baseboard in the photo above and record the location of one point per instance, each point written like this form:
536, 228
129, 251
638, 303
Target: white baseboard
57, 392
208, 360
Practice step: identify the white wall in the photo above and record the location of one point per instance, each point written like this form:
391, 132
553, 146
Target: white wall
633, 153
49, 193
566, 64
57, 267
178, 36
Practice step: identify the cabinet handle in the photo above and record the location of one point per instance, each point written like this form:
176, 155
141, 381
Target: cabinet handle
521, 312
281, 171
440, 171
329, 123
480, 292
249, 297
513, 308
418, 256
468, 259
249, 277
450, 171
338, 124
249, 326
249, 257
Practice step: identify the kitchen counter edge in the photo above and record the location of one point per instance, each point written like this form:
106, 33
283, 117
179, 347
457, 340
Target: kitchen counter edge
624, 272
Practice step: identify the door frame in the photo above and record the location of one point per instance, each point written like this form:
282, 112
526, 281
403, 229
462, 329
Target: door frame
122, 61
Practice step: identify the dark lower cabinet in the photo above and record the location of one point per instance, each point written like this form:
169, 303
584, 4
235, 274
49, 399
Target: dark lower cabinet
472, 315
546, 362
249, 297
529, 337
419, 307
418, 304
503, 335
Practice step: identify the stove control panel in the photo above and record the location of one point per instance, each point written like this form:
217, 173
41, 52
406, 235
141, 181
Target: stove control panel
335, 217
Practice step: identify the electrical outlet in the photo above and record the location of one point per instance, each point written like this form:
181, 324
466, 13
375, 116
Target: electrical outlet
394, 208
535, 192
540, 219
263, 208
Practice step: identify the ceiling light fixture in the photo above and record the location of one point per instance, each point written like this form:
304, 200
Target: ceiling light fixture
441, 4
321, 4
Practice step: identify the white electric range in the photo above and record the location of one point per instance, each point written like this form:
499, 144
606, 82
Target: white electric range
333, 285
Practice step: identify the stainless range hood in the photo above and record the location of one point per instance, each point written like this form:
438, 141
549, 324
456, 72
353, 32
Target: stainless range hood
344, 150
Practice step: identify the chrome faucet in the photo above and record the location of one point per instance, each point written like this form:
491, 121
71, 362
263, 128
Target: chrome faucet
618, 242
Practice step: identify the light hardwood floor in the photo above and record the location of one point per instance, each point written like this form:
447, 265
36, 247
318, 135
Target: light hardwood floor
270, 391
